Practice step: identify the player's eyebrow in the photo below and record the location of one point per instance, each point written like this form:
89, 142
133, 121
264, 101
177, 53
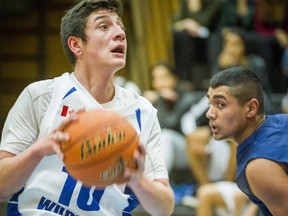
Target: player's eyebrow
216, 97
219, 97
105, 16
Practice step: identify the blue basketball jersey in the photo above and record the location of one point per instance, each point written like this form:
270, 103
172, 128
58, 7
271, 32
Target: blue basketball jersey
270, 141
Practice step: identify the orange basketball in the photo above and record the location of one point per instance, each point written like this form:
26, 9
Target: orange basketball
101, 145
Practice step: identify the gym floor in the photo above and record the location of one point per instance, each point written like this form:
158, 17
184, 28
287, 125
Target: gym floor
179, 211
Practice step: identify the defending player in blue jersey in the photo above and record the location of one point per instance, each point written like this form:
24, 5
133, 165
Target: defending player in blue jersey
33, 176
236, 112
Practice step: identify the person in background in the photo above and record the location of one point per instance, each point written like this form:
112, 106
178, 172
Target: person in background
33, 175
236, 13
171, 101
233, 13
191, 29
236, 112
235, 52
270, 38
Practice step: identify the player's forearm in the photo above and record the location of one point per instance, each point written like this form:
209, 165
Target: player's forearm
16, 170
155, 197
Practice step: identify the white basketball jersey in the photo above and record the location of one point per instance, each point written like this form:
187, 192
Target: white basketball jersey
50, 190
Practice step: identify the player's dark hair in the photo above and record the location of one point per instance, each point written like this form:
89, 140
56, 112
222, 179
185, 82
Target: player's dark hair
243, 83
75, 20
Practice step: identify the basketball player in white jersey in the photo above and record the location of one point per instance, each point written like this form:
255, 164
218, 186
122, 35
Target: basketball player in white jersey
32, 175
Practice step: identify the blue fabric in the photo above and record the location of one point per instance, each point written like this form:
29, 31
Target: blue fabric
182, 190
270, 141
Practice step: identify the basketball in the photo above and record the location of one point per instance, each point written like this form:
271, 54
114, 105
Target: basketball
101, 145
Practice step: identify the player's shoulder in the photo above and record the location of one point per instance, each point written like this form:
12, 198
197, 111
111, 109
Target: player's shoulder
131, 97
45, 87
277, 120
40, 88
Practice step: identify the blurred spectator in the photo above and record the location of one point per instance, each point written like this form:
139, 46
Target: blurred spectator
209, 159
238, 13
224, 198
235, 52
172, 102
270, 24
191, 28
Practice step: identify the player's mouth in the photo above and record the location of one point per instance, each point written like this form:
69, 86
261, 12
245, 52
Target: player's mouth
214, 129
119, 49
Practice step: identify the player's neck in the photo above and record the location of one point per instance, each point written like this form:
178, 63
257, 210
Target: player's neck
251, 127
100, 87
259, 122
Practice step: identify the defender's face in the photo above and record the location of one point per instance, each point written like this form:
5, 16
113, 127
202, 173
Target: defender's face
227, 118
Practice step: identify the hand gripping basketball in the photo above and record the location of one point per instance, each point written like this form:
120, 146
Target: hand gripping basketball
102, 143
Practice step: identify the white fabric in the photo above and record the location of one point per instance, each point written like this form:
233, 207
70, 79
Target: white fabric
33, 116
188, 121
228, 191
174, 149
219, 158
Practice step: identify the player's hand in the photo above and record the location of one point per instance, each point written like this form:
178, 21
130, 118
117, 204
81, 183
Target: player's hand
50, 144
134, 175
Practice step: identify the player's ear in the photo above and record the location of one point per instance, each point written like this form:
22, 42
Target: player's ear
252, 107
75, 44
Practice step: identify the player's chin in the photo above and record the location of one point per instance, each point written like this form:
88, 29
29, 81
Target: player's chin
119, 64
218, 136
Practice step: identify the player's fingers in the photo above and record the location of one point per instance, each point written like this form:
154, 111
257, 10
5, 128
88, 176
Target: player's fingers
142, 150
72, 118
81, 111
139, 157
58, 138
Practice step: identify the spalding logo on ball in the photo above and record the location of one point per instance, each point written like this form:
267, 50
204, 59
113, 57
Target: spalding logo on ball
102, 143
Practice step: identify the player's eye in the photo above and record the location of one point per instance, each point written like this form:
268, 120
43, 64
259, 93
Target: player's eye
103, 27
221, 105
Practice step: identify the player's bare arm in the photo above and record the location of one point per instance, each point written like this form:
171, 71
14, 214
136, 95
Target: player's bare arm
151, 193
14, 174
269, 182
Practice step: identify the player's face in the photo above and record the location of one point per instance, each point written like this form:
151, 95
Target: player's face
227, 118
106, 40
